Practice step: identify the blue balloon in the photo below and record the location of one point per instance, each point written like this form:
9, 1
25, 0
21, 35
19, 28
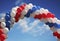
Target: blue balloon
7, 20
50, 24
53, 24
8, 24
57, 25
32, 10
38, 7
7, 17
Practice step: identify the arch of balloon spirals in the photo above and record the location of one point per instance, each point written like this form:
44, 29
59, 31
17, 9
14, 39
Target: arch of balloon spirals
28, 10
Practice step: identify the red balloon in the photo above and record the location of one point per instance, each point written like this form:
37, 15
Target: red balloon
2, 40
1, 31
23, 6
38, 16
50, 15
56, 34
44, 15
19, 10
3, 37
17, 17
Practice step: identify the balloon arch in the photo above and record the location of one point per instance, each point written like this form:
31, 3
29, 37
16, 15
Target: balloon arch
28, 10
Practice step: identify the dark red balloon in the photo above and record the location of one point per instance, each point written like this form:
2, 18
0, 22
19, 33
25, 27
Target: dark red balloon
56, 34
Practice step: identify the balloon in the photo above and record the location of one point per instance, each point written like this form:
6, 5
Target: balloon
18, 14
38, 16
12, 20
31, 11
13, 11
8, 24
3, 24
56, 34
6, 30
57, 25
3, 37
50, 24
50, 15
58, 30
8, 20
37, 12
42, 10
53, 29
23, 6
44, 15
7, 17
51, 20
1, 31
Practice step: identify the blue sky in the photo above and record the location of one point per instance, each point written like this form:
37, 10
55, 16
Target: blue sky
17, 32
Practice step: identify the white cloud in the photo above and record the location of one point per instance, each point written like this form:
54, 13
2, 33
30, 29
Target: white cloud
33, 27
19, 2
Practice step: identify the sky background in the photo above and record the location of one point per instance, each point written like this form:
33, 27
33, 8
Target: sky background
31, 32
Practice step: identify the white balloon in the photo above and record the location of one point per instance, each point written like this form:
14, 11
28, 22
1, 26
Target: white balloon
45, 11
3, 24
30, 5
58, 21
54, 20
13, 20
50, 20
44, 20
24, 12
6, 30
22, 16
13, 12
41, 10
32, 15
37, 12
53, 29
58, 30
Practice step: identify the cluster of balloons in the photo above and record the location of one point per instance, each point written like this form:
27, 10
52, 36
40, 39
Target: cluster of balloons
28, 10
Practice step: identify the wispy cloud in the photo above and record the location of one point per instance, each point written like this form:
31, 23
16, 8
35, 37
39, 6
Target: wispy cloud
33, 27
19, 2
